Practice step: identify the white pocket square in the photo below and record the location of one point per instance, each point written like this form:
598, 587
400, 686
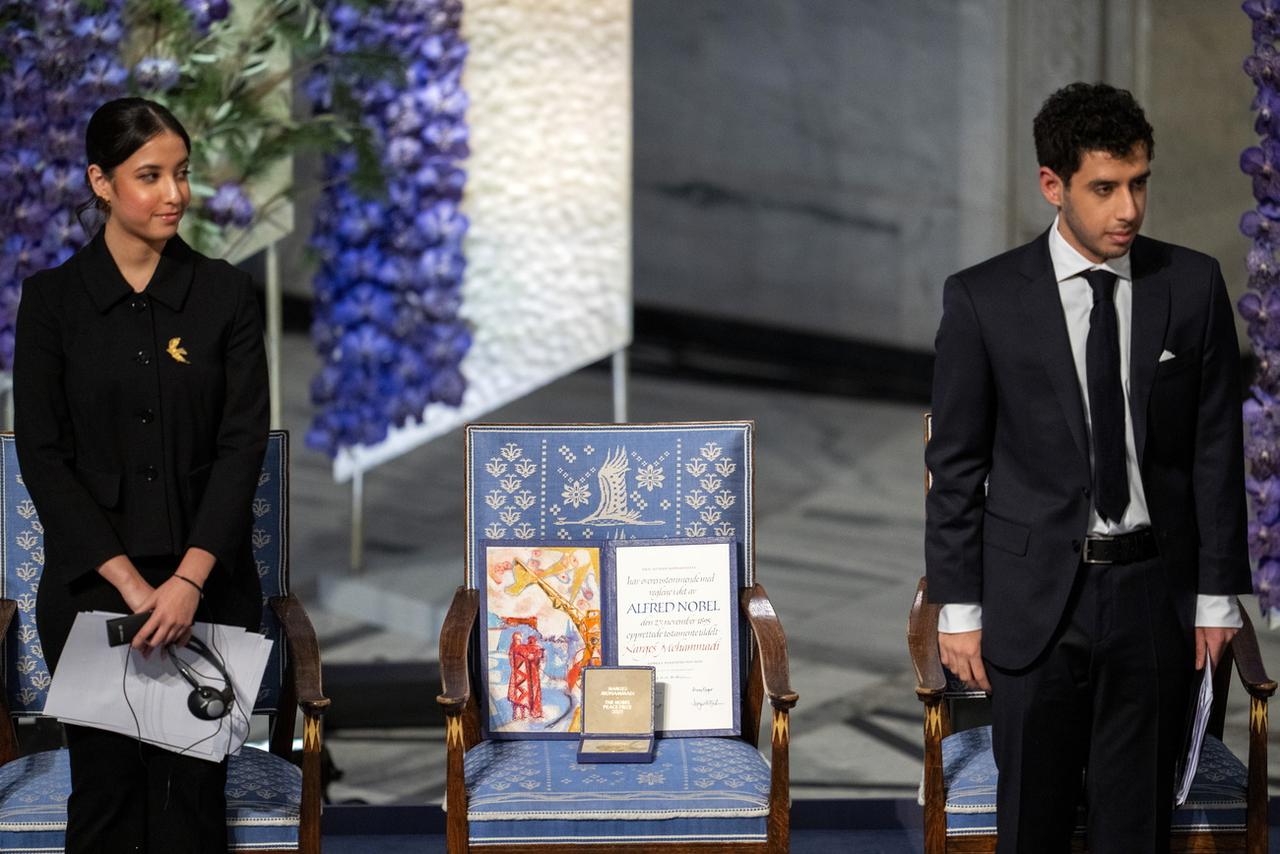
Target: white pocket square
1166, 356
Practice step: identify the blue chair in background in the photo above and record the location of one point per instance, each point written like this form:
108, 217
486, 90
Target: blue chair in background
649, 481
272, 804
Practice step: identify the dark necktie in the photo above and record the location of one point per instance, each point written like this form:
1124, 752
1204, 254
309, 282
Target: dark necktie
1106, 399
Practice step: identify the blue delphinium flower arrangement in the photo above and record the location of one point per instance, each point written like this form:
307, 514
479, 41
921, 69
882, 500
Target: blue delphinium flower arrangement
1260, 306
58, 61
388, 289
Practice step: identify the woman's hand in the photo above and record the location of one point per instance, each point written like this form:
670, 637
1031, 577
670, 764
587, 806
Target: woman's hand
173, 610
137, 594
128, 582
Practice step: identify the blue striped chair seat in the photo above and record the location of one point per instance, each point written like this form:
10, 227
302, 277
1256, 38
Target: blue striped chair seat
1217, 799
263, 794
695, 790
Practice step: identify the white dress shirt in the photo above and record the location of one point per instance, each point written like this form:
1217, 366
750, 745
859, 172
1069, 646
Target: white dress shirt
1077, 303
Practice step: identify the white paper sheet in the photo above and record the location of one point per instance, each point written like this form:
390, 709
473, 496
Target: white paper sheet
1204, 702
675, 607
116, 689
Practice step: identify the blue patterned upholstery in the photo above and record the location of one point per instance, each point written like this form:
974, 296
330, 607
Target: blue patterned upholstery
696, 789
1218, 794
263, 791
549, 482
263, 796
33, 802
26, 677
270, 537
1217, 799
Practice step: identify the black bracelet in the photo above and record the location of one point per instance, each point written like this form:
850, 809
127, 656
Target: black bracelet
192, 583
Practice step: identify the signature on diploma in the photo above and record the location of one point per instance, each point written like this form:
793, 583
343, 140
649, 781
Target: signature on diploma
702, 698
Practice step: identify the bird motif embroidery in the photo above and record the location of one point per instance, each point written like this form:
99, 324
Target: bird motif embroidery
613, 508
177, 351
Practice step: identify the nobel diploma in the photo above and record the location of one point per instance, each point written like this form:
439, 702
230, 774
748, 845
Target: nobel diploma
676, 610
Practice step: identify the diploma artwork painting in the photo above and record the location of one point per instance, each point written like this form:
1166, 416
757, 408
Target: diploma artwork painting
542, 611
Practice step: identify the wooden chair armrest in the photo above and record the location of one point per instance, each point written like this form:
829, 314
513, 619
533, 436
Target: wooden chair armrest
8, 610
461, 716
455, 635
304, 652
1244, 647
922, 642
8, 735
772, 644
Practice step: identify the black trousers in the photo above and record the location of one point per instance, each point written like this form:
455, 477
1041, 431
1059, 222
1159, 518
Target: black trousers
127, 796
1100, 716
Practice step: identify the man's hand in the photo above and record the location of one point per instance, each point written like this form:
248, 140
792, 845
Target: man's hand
962, 655
1211, 639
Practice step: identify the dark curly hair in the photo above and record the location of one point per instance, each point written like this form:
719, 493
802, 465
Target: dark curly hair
1085, 117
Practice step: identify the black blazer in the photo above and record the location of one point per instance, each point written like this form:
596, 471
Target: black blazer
141, 419
1007, 411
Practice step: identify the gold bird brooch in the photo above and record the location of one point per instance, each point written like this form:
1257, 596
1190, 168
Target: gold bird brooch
177, 351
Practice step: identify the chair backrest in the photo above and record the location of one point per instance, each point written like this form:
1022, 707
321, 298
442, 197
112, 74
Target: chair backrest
552, 483
26, 676
549, 482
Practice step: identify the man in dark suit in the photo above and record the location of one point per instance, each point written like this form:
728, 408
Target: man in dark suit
1086, 524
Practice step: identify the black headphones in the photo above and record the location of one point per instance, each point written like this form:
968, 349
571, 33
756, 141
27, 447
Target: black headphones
205, 702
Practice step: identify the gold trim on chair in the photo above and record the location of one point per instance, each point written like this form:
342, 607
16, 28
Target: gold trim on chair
453, 731
781, 727
933, 721
310, 734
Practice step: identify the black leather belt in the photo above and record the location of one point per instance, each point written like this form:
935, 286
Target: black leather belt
1122, 548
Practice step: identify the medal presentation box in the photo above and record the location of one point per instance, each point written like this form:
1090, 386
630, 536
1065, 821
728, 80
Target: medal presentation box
617, 720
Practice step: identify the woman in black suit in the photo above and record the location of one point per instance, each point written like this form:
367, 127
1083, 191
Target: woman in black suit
140, 395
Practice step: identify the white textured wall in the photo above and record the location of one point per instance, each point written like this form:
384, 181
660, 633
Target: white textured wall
548, 284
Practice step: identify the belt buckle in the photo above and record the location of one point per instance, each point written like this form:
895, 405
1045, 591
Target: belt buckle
1093, 560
